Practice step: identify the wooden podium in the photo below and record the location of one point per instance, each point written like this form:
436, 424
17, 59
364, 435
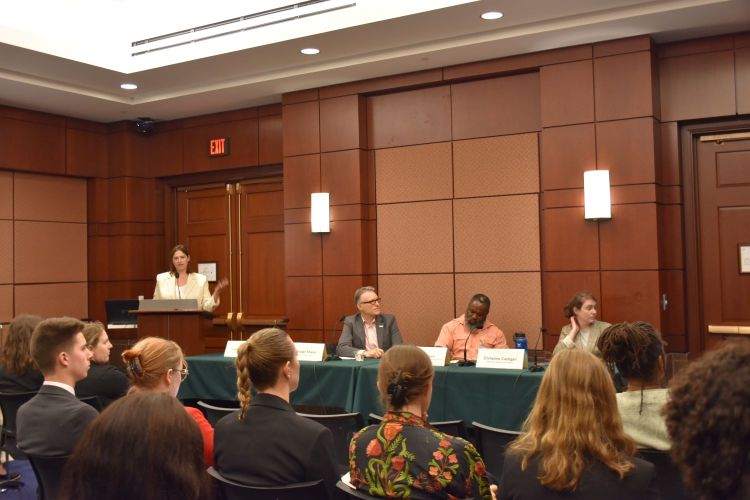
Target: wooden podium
187, 327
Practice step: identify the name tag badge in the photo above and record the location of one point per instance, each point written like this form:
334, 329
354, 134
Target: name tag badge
507, 359
438, 355
309, 351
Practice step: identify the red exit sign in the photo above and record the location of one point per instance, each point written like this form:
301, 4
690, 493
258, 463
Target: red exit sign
218, 147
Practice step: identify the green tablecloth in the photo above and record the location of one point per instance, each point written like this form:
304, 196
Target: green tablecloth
500, 398
213, 377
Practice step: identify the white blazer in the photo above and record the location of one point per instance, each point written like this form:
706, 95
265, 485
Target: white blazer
196, 288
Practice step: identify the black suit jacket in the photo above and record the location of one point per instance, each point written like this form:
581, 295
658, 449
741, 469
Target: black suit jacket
29, 381
51, 422
353, 335
274, 446
105, 381
597, 482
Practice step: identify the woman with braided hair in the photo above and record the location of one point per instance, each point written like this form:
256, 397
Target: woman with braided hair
637, 351
265, 443
155, 364
403, 456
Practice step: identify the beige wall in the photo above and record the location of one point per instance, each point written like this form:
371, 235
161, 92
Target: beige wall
43, 256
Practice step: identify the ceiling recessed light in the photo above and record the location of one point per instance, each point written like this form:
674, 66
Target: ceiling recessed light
128, 86
493, 14
310, 51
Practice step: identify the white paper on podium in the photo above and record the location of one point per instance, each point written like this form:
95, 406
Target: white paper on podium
309, 351
230, 351
508, 359
438, 355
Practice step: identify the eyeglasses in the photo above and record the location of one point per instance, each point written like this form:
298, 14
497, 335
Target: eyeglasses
373, 301
183, 373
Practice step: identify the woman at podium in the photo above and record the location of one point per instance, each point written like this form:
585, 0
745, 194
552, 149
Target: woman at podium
180, 283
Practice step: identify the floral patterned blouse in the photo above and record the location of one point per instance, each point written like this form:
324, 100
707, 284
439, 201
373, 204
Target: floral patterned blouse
404, 457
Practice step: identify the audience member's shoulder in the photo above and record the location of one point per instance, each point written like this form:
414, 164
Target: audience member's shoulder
643, 473
86, 411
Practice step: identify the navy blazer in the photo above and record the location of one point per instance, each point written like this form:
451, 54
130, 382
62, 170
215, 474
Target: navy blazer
597, 482
50, 423
274, 446
353, 335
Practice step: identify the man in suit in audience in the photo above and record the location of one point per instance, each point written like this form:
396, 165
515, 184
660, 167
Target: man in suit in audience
369, 333
51, 422
464, 335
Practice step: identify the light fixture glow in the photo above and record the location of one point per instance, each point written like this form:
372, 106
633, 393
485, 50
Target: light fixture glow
128, 86
310, 51
492, 15
596, 198
320, 216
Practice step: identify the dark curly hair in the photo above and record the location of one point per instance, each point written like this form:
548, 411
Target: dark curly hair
708, 420
634, 348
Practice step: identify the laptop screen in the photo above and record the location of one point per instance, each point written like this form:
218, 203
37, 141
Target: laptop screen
117, 311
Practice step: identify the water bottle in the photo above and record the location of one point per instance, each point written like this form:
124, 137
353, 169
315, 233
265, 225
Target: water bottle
519, 341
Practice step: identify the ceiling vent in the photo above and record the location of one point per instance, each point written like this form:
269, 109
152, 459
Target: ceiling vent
236, 25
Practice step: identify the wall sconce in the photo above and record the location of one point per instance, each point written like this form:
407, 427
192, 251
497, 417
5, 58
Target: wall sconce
596, 200
320, 216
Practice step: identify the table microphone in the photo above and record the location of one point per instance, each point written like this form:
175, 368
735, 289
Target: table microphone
465, 361
536, 367
334, 356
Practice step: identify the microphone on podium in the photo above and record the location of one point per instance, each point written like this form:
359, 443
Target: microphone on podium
176, 286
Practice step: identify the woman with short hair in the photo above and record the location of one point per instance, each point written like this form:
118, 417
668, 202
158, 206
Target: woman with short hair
104, 381
583, 329
155, 364
142, 446
636, 350
287, 448
403, 456
573, 445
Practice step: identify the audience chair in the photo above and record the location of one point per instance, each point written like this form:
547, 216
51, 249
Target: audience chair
230, 490
373, 419
9, 404
451, 427
491, 443
215, 413
92, 401
343, 426
48, 471
668, 478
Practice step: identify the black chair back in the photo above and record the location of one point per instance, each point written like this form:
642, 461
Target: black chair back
92, 401
10, 402
48, 472
343, 426
668, 477
215, 413
451, 427
491, 444
231, 490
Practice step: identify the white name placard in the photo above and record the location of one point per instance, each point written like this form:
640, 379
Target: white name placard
230, 351
309, 351
438, 355
508, 359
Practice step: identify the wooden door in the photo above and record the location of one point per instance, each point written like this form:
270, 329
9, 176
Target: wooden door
240, 226
723, 202
203, 224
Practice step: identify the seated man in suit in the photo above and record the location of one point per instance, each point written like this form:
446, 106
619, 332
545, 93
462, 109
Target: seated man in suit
464, 335
369, 332
51, 422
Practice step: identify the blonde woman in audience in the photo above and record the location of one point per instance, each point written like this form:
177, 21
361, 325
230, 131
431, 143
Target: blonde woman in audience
18, 372
573, 445
104, 381
583, 329
266, 443
155, 364
637, 351
142, 446
403, 456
